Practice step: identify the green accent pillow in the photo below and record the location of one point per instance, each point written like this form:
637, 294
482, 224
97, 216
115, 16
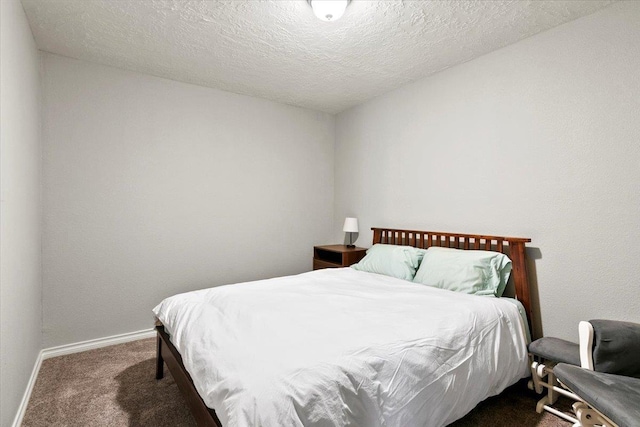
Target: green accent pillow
468, 271
391, 260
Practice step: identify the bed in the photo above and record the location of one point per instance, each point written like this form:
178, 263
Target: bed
345, 347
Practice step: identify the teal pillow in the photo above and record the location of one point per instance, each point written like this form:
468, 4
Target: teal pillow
471, 272
391, 260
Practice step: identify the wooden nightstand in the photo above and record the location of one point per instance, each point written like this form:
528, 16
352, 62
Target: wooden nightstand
333, 256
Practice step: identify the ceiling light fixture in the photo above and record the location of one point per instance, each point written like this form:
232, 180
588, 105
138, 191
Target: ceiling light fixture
328, 10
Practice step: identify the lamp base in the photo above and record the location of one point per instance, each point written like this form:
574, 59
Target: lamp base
351, 246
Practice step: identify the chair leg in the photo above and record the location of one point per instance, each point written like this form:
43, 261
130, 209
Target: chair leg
535, 381
542, 377
552, 394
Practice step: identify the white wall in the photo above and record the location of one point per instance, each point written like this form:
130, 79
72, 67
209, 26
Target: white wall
539, 139
20, 210
154, 187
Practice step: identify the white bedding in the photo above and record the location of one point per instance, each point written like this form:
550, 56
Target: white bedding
340, 347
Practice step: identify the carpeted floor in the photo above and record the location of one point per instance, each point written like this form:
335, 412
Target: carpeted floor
115, 386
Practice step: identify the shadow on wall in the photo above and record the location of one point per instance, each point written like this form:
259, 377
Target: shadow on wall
534, 254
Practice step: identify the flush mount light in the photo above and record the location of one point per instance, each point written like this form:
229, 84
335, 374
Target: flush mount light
328, 10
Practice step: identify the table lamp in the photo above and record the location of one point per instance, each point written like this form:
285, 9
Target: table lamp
350, 226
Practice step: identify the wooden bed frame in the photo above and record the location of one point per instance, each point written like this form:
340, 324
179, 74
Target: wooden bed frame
514, 247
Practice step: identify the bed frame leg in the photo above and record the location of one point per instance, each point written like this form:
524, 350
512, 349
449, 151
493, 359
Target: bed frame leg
159, 359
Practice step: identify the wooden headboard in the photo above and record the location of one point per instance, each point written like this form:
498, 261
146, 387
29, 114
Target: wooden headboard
514, 247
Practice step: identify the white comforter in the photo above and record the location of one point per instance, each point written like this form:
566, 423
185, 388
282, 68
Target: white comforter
341, 347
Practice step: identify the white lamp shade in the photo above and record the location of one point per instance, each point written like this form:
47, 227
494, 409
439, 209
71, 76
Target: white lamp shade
350, 225
329, 10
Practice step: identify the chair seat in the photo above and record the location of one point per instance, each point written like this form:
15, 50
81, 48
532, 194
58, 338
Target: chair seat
615, 396
556, 349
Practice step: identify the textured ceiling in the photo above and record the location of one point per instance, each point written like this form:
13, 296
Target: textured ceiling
279, 50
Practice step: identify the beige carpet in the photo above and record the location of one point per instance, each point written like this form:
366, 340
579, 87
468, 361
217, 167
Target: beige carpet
115, 386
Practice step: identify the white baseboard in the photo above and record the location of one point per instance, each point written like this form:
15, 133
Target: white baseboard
62, 350
17, 421
69, 349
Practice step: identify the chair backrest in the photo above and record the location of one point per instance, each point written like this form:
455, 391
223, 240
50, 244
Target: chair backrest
610, 346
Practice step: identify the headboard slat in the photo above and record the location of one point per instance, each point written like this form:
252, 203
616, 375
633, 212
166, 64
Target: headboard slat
425, 239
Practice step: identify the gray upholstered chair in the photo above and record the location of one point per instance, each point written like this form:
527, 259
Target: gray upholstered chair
607, 347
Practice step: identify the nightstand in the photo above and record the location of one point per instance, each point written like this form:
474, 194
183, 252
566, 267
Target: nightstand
333, 256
